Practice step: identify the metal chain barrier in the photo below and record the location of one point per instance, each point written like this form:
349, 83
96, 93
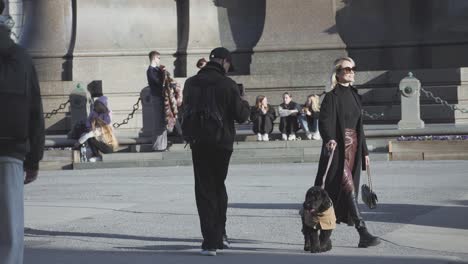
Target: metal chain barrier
373, 116
136, 106
55, 111
443, 102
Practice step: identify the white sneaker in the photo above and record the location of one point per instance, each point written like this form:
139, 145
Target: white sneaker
284, 136
292, 137
265, 137
316, 136
309, 135
208, 252
259, 137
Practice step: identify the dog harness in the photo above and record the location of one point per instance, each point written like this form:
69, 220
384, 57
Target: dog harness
325, 220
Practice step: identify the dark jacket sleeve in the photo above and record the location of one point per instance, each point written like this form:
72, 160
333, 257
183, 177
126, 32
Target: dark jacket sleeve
240, 108
155, 81
36, 125
271, 113
327, 118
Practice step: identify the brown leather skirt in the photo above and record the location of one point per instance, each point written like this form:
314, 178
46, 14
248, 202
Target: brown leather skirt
350, 155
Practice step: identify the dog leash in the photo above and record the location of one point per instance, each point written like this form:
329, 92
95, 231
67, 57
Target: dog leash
328, 167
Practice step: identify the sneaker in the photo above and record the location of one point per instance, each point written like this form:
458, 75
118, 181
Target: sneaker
208, 252
284, 136
94, 159
265, 137
309, 135
292, 137
259, 137
316, 136
226, 244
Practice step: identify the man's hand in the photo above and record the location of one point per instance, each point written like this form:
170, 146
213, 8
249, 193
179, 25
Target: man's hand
31, 175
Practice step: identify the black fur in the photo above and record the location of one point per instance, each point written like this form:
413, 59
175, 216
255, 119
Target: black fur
316, 201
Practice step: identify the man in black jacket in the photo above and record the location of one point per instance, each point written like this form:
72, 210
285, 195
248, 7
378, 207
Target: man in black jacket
21, 139
211, 161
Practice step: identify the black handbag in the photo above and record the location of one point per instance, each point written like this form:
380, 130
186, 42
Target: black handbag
367, 193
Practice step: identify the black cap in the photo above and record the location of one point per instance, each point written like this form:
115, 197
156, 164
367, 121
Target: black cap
224, 54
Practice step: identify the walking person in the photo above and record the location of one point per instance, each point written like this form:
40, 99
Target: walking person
21, 139
155, 75
288, 111
262, 116
212, 103
342, 132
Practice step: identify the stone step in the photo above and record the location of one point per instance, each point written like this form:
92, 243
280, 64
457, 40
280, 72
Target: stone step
428, 150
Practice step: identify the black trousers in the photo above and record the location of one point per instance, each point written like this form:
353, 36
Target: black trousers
210, 166
288, 125
263, 125
97, 146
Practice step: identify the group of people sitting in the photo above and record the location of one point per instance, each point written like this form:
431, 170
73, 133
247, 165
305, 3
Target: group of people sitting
293, 117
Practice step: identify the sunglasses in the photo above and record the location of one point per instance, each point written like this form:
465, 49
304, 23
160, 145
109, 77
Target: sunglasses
347, 69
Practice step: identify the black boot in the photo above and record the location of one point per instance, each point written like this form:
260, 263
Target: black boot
365, 238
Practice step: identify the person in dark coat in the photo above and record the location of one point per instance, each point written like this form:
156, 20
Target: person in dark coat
341, 128
262, 116
211, 160
156, 74
22, 137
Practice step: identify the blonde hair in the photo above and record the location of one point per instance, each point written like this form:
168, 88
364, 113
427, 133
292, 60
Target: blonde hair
336, 67
313, 103
107, 134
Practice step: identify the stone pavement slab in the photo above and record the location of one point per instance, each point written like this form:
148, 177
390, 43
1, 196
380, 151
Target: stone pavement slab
148, 215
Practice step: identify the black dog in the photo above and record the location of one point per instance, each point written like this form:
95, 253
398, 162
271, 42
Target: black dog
317, 214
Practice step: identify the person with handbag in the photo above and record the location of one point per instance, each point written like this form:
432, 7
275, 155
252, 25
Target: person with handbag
341, 128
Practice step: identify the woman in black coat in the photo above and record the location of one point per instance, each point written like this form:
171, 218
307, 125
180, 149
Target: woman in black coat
262, 115
341, 128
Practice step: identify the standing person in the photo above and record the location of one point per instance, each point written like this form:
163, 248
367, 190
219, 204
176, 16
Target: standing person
156, 74
212, 103
342, 131
288, 111
262, 115
21, 139
309, 117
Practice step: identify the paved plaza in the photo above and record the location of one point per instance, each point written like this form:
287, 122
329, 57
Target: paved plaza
148, 215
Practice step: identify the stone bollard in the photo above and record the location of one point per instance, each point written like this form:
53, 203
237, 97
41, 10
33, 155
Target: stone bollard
147, 113
80, 105
410, 88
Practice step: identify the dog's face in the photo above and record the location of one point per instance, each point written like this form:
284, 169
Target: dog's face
316, 200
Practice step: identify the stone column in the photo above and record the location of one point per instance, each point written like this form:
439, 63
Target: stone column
300, 37
47, 34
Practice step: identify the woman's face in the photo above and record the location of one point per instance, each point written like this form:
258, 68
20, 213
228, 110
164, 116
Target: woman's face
265, 101
286, 99
345, 74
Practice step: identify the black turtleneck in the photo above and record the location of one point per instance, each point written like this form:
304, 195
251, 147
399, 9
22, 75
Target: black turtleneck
349, 107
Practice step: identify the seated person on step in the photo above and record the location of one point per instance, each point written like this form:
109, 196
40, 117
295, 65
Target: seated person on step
288, 112
262, 116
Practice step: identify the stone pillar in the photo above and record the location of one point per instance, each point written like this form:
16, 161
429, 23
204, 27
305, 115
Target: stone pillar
300, 37
80, 103
410, 88
47, 34
204, 33
147, 113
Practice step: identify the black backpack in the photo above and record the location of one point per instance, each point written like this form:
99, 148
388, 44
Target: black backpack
14, 98
202, 121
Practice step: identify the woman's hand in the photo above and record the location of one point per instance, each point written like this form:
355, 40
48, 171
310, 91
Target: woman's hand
331, 145
367, 161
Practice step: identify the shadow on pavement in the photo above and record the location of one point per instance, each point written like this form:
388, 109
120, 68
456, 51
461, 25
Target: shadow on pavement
43, 256
388, 213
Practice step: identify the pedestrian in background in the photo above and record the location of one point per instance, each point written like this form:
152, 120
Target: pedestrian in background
262, 116
155, 75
